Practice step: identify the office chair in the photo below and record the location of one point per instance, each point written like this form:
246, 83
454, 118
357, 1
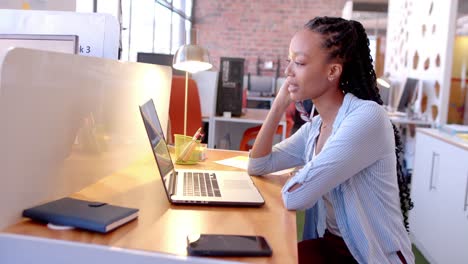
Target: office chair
251, 133
176, 107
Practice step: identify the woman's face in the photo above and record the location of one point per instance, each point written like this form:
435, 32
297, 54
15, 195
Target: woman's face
309, 69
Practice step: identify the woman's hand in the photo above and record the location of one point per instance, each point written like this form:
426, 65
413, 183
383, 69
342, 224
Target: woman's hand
282, 99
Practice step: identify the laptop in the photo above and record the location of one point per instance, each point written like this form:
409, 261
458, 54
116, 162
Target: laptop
195, 186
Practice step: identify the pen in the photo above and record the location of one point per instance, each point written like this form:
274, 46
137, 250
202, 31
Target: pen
187, 152
199, 134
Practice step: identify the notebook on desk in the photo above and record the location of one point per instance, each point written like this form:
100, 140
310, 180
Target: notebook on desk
196, 186
93, 216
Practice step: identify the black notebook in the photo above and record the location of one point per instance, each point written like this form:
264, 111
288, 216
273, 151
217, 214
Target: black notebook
94, 216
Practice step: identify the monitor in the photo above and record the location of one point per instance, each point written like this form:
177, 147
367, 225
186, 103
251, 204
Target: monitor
408, 94
57, 43
260, 85
159, 59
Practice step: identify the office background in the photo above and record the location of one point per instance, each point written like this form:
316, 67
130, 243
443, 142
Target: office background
427, 39
259, 31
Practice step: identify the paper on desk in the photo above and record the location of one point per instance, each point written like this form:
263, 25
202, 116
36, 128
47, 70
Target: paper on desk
242, 162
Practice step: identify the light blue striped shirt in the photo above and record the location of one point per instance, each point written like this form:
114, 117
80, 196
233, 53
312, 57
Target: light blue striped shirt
357, 165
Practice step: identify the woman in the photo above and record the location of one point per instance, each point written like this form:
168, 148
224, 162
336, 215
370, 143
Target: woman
351, 183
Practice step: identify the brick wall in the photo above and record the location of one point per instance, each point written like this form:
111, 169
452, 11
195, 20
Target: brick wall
253, 29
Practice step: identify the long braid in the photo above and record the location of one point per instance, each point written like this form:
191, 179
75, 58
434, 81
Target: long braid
347, 41
403, 183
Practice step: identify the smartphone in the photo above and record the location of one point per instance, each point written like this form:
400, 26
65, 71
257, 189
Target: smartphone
227, 245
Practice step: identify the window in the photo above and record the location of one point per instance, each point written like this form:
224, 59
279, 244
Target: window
155, 26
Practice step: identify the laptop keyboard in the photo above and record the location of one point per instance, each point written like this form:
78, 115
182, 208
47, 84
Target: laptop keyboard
201, 184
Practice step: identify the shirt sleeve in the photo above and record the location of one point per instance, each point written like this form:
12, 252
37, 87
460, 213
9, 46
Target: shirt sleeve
286, 154
364, 136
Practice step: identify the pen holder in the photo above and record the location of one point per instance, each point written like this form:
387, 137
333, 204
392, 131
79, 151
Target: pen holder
187, 151
202, 151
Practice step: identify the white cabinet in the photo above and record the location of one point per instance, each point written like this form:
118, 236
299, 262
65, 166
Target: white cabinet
455, 208
439, 189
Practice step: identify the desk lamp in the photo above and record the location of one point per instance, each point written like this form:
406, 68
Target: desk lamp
190, 58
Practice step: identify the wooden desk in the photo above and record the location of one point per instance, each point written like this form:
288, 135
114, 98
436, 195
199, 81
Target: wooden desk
235, 126
163, 227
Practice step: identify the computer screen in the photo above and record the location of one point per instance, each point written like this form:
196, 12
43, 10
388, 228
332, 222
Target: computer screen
384, 95
260, 85
159, 59
408, 94
57, 43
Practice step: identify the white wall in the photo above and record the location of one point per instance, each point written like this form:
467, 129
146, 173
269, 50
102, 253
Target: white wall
420, 38
57, 5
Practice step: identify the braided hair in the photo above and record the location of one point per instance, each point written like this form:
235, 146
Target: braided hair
346, 40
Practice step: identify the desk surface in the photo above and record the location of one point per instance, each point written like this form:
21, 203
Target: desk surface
409, 121
403, 119
261, 98
163, 227
446, 137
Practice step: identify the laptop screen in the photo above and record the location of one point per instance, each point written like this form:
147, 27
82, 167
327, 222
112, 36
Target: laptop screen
158, 143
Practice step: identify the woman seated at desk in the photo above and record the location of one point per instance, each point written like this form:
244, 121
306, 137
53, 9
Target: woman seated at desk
351, 182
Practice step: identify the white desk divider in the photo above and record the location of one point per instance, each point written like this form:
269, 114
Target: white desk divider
98, 33
18, 249
68, 121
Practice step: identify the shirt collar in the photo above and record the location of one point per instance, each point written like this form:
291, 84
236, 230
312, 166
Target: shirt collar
347, 100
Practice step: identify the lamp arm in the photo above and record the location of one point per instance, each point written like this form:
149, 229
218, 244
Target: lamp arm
186, 98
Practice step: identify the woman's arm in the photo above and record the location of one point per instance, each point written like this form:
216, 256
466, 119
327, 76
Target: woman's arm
364, 137
264, 142
286, 154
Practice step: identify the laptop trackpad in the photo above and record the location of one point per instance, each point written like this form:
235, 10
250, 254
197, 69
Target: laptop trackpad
236, 184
